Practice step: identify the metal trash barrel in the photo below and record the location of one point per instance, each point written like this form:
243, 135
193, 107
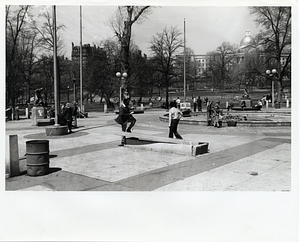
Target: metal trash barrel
37, 152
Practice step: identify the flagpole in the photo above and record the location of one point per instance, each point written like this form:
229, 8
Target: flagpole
81, 92
55, 66
184, 74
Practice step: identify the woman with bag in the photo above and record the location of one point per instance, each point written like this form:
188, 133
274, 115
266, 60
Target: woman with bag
174, 116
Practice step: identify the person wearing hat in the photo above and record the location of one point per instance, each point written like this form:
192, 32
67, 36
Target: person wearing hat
125, 117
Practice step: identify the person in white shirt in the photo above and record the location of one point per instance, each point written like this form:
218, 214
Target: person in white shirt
178, 102
174, 116
195, 103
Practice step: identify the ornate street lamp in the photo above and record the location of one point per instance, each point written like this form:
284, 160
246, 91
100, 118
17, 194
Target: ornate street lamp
121, 77
271, 74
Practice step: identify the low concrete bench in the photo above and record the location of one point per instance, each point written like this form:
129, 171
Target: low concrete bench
195, 148
246, 109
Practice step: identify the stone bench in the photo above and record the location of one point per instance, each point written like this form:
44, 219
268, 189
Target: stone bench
192, 147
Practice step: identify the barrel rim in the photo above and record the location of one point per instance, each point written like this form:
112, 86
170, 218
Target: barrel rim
37, 141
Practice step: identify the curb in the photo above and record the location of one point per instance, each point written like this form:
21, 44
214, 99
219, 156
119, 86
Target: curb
239, 123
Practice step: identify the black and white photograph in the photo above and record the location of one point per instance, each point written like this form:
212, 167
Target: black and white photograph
150, 121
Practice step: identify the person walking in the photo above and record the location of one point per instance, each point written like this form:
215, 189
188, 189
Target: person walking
174, 116
68, 115
178, 102
74, 113
195, 103
199, 104
125, 117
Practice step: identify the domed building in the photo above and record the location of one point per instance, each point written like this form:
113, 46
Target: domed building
247, 43
247, 47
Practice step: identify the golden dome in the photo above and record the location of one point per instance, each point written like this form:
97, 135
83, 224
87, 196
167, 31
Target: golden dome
247, 41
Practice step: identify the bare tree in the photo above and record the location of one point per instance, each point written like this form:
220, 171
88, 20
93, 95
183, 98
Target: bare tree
277, 37
164, 47
46, 42
46, 33
15, 24
122, 24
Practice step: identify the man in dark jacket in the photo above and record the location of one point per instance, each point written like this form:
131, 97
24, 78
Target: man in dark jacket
199, 104
124, 117
68, 115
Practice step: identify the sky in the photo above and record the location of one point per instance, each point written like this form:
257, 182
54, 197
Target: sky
206, 27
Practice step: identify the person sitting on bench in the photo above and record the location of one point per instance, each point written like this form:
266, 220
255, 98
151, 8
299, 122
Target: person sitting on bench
243, 105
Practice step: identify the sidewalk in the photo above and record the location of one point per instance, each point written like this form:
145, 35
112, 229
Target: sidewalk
239, 159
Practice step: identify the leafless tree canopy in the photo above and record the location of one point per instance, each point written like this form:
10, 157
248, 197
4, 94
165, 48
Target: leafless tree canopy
164, 47
121, 24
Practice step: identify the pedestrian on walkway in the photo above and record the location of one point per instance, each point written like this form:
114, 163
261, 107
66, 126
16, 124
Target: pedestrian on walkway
177, 101
209, 112
174, 116
67, 111
199, 104
75, 113
125, 117
194, 103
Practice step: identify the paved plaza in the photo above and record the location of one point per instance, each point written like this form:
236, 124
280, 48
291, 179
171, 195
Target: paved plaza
239, 159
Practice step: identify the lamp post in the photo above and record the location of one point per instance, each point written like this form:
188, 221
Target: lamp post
271, 74
121, 77
68, 93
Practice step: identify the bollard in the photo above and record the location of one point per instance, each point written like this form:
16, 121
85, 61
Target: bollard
267, 104
142, 106
226, 104
26, 112
287, 103
13, 159
105, 108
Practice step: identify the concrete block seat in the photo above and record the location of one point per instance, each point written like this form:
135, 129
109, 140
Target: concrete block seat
136, 139
246, 108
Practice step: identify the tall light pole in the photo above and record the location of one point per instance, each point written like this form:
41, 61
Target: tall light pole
55, 66
271, 74
121, 77
81, 92
184, 73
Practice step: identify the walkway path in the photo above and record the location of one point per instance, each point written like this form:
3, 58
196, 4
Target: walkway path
92, 159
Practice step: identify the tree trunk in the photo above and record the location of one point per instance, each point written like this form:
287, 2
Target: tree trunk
167, 92
125, 43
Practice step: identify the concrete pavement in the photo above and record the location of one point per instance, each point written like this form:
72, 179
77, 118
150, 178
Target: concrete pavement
239, 158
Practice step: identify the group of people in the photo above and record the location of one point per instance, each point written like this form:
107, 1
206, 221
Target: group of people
197, 103
125, 117
213, 113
